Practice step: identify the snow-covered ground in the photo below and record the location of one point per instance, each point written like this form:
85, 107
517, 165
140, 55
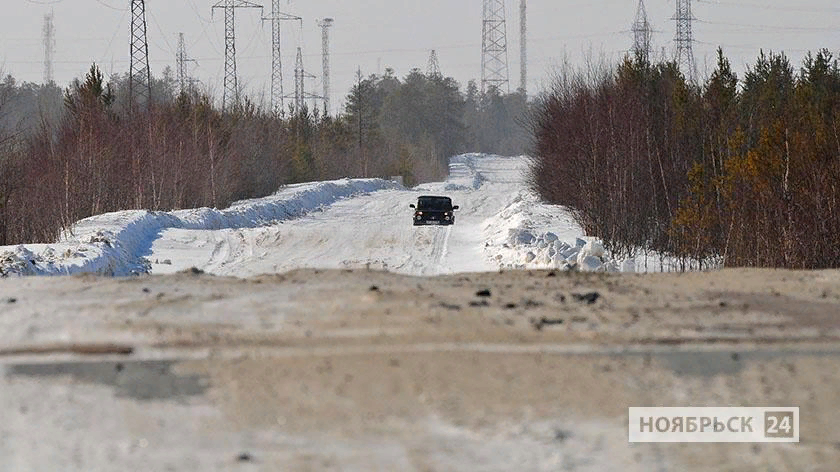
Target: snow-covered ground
374, 230
340, 224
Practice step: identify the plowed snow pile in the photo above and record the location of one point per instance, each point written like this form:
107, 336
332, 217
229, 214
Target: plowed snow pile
116, 243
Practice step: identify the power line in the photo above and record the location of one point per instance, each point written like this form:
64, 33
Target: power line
101, 3
806, 29
114, 36
162, 34
771, 7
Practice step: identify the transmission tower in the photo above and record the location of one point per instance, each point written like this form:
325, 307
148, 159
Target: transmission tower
433, 68
300, 95
313, 99
139, 75
185, 82
523, 47
277, 18
685, 39
641, 34
325, 25
49, 48
231, 93
300, 82
494, 60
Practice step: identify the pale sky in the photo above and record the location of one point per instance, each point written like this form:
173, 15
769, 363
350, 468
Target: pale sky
375, 34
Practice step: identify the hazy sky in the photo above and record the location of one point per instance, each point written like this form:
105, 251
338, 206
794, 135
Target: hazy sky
375, 34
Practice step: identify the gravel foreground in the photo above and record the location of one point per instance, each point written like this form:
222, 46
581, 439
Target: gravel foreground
368, 371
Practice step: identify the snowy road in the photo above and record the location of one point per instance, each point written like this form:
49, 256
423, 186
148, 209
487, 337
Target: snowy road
372, 230
347, 223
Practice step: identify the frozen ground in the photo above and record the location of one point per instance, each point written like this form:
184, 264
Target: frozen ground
358, 371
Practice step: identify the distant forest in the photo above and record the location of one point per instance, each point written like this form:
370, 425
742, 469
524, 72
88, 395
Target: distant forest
740, 171
66, 154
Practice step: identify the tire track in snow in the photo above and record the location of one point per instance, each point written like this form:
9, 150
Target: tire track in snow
440, 246
221, 251
444, 251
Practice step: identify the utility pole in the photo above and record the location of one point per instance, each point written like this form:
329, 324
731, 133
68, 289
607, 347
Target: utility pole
523, 47
231, 93
433, 68
277, 18
685, 40
641, 34
49, 48
139, 75
325, 25
494, 60
181, 60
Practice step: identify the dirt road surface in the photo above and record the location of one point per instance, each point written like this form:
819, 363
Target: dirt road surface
369, 371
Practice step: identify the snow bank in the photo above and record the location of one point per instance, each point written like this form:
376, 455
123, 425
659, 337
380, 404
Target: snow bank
115, 243
530, 234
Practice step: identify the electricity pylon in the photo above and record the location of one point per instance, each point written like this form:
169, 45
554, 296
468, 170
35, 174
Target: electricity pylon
494, 60
300, 84
523, 47
641, 34
231, 93
277, 18
300, 78
181, 60
49, 48
685, 40
433, 68
325, 25
139, 74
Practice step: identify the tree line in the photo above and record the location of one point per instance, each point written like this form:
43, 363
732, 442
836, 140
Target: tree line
740, 171
69, 154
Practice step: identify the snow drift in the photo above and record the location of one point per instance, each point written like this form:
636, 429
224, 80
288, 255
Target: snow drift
115, 243
530, 234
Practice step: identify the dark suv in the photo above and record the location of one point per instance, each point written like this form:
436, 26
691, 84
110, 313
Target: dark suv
432, 210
